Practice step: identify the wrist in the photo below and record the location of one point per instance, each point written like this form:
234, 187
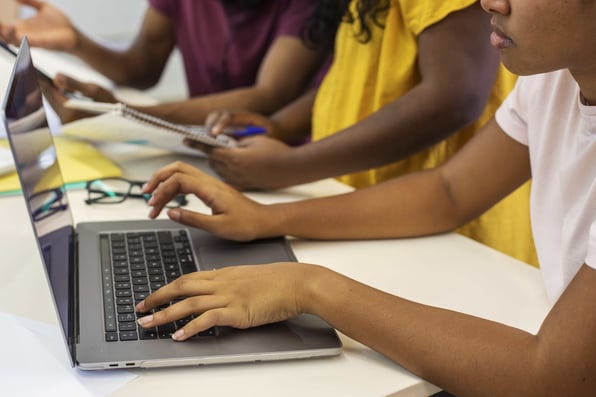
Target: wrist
80, 43
313, 288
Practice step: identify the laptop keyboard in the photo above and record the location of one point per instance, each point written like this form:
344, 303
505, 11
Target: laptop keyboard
135, 264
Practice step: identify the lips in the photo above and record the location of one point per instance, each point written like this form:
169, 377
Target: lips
499, 40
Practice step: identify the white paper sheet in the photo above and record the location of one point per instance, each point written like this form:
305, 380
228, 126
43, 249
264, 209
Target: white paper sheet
34, 363
6, 161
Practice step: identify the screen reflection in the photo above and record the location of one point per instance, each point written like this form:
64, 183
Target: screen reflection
43, 188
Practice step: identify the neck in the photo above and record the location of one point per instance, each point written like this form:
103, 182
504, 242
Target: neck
587, 87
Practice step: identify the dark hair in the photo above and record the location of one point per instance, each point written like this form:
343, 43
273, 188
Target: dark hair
246, 4
321, 27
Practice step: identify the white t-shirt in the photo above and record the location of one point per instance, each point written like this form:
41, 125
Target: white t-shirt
544, 112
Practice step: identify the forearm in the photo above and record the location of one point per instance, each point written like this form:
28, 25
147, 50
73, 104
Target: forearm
452, 350
195, 110
466, 355
133, 69
272, 90
139, 64
414, 205
398, 130
294, 120
456, 83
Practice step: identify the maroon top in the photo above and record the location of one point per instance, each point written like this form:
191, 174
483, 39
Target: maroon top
222, 47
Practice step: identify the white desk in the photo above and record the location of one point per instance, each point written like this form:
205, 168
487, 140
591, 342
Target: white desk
449, 271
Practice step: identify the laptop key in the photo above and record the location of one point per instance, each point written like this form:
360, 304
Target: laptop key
124, 301
166, 330
111, 336
147, 333
164, 237
128, 335
126, 317
188, 268
140, 296
125, 309
127, 326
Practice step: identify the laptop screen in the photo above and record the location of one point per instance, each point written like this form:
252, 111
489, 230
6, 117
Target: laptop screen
41, 181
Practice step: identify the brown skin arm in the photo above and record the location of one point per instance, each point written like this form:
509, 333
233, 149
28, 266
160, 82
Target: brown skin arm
274, 87
49, 28
421, 203
139, 65
271, 91
458, 67
466, 355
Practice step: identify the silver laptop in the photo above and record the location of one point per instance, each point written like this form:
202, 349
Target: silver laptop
98, 271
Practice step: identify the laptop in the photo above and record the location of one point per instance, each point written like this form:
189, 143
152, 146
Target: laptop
97, 271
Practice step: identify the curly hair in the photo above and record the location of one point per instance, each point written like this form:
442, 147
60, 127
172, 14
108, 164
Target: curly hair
321, 27
246, 4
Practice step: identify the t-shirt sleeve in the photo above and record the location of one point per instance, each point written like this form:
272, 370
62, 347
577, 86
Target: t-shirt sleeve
591, 257
291, 22
420, 14
511, 115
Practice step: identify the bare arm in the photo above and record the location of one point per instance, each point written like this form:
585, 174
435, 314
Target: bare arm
139, 65
466, 355
458, 68
488, 168
285, 73
422, 203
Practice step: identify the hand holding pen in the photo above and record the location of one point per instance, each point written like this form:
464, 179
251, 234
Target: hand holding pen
238, 124
245, 131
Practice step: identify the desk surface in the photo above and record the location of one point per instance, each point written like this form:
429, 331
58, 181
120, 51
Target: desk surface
449, 271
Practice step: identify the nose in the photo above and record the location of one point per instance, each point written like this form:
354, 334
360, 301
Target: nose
496, 6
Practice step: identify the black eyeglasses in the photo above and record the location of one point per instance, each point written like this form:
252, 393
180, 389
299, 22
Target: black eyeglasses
47, 203
116, 190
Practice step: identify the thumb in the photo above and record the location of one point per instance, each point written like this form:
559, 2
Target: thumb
191, 218
209, 223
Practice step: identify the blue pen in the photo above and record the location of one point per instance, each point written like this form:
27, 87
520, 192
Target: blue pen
248, 131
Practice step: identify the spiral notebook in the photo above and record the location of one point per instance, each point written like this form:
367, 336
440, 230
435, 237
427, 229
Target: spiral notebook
120, 123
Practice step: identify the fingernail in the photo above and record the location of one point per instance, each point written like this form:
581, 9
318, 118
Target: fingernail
174, 214
146, 320
178, 334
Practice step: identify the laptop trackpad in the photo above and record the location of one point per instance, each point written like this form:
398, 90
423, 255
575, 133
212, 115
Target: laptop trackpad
229, 254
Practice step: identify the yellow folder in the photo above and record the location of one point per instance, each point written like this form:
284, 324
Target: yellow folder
79, 161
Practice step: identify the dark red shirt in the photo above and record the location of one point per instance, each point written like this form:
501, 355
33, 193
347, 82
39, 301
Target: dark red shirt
222, 47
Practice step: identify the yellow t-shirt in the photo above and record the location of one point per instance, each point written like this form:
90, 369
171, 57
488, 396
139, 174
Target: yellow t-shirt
364, 77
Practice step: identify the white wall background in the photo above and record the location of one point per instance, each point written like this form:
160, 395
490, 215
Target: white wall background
112, 19
118, 21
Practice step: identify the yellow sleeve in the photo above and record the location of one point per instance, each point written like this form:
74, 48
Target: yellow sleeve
420, 14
